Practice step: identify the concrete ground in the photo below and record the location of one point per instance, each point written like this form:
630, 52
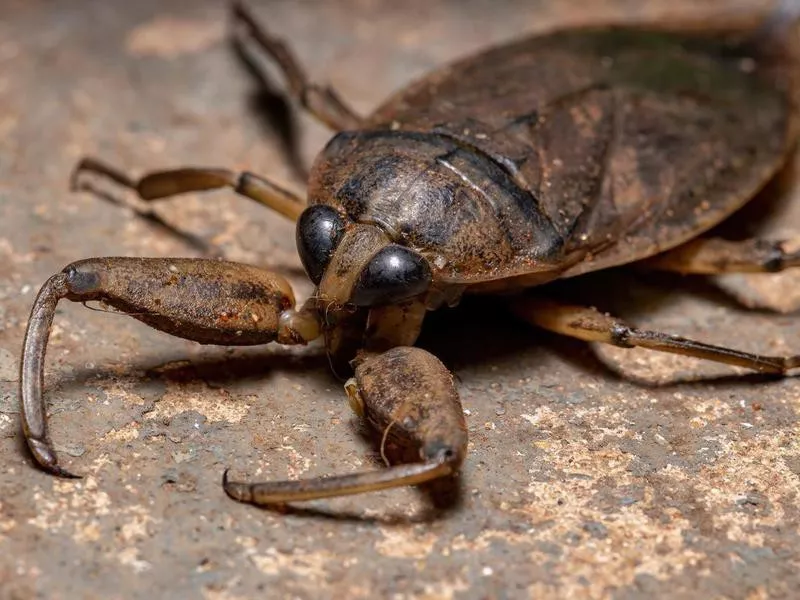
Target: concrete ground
593, 472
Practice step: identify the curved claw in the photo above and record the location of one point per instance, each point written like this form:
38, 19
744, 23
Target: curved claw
279, 492
46, 458
34, 422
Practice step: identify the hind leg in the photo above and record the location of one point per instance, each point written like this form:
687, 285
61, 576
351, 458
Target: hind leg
321, 101
712, 256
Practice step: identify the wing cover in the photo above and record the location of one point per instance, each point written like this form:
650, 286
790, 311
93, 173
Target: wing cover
630, 142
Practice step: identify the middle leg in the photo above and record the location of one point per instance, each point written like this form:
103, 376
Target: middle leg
591, 325
163, 184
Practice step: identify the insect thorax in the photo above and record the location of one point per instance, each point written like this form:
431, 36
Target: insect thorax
448, 201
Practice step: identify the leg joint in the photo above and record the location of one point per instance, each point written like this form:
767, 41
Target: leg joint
776, 258
82, 277
620, 335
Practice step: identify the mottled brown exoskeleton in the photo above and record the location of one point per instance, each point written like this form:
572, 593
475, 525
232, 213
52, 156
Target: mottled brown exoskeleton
546, 158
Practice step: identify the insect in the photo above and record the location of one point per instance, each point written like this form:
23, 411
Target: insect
546, 158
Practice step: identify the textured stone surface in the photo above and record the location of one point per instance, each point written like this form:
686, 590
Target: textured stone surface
593, 472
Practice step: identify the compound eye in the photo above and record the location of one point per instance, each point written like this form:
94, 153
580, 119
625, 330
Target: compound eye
318, 232
394, 274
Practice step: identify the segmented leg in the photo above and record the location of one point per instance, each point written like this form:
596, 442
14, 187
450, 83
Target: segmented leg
321, 101
407, 394
163, 184
593, 326
712, 256
207, 301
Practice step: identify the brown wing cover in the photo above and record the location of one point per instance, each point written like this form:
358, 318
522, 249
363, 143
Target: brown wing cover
629, 141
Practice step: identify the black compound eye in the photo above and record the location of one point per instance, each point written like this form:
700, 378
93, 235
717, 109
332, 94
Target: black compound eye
394, 274
319, 230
